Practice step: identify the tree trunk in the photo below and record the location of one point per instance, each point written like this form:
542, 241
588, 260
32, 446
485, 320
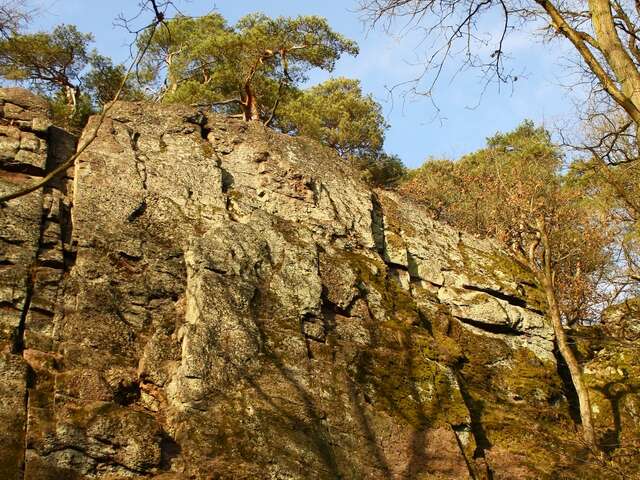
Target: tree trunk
172, 82
546, 277
250, 108
588, 432
172, 78
71, 94
623, 90
617, 57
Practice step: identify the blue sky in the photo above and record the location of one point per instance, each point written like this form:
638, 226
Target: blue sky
417, 129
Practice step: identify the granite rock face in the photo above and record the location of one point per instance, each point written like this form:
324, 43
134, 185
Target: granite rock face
205, 298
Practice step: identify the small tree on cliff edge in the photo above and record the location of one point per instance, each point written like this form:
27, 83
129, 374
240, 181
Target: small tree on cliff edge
513, 191
337, 114
60, 65
540, 238
52, 62
249, 66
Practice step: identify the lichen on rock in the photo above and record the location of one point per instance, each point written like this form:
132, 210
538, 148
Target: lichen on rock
202, 298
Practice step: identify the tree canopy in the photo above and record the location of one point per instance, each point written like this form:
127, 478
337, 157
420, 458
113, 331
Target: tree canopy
248, 67
61, 65
104, 79
500, 191
50, 61
515, 191
339, 115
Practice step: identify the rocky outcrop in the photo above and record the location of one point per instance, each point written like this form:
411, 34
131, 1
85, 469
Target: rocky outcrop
205, 298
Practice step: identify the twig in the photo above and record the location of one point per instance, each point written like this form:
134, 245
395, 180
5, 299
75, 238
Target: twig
275, 104
64, 166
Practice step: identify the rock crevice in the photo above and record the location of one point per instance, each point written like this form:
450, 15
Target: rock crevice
201, 297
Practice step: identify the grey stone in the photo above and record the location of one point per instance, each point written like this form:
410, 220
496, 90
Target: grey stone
202, 297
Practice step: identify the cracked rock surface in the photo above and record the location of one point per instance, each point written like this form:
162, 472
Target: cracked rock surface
205, 298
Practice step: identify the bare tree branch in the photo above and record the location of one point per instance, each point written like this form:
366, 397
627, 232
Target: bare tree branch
272, 114
100, 120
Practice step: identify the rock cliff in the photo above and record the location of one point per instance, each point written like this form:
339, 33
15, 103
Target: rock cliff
203, 298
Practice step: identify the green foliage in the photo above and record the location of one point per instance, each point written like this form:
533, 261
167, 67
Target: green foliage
53, 64
249, 68
104, 79
65, 116
49, 61
614, 189
205, 61
308, 41
338, 115
60, 65
186, 59
382, 170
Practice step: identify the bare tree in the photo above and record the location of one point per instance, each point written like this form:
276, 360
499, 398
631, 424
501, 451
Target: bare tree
610, 173
603, 33
514, 191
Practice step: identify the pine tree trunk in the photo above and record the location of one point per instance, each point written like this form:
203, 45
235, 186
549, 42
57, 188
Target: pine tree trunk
71, 94
250, 108
172, 79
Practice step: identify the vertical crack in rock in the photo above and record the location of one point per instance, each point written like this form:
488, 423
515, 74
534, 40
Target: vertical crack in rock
227, 180
17, 347
26, 151
377, 224
54, 256
308, 335
470, 466
334, 207
141, 169
246, 355
199, 119
313, 185
477, 429
569, 389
